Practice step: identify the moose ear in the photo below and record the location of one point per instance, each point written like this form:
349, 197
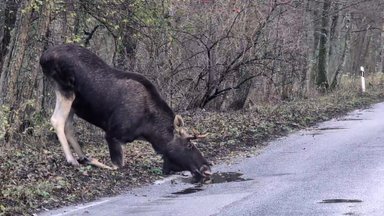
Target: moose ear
178, 122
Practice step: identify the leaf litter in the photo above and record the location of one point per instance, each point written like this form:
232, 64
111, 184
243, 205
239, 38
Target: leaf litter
34, 175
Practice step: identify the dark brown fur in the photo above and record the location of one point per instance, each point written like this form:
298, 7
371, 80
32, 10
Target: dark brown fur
125, 105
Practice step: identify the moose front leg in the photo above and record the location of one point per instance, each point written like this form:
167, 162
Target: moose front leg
116, 152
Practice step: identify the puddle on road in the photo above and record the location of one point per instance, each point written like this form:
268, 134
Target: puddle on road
278, 174
220, 177
350, 119
216, 178
223, 177
331, 201
350, 213
189, 190
330, 128
319, 131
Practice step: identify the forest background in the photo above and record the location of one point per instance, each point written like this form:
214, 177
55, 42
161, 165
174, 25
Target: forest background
244, 69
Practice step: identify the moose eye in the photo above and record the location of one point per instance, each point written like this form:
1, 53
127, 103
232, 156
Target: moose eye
191, 145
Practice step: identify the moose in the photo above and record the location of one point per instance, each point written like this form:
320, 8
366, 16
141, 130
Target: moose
126, 105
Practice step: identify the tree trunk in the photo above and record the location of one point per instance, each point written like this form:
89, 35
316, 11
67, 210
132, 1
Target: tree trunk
8, 11
379, 67
341, 66
37, 79
21, 70
322, 81
2, 31
14, 59
313, 41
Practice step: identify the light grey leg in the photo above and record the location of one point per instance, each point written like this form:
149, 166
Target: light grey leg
69, 133
58, 120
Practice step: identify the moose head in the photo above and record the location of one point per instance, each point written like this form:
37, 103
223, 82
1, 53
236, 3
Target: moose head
183, 154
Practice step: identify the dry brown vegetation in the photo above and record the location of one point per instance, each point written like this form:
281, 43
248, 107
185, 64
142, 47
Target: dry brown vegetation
35, 177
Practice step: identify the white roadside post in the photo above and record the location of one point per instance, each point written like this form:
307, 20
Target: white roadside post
362, 79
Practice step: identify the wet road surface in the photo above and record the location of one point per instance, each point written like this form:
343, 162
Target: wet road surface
334, 168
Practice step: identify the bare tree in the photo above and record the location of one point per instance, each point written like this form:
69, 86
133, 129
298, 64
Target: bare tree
226, 54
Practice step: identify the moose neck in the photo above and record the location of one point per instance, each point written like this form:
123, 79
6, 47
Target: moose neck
160, 140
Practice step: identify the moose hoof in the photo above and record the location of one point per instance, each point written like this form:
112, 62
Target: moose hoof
84, 160
96, 163
115, 167
72, 162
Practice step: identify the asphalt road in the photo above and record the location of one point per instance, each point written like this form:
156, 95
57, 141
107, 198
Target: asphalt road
334, 168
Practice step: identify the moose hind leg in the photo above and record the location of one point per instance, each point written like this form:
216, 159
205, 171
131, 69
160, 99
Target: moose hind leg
69, 133
58, 120
116, 152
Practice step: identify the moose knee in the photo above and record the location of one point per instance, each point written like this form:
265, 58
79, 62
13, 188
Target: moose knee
56, 122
